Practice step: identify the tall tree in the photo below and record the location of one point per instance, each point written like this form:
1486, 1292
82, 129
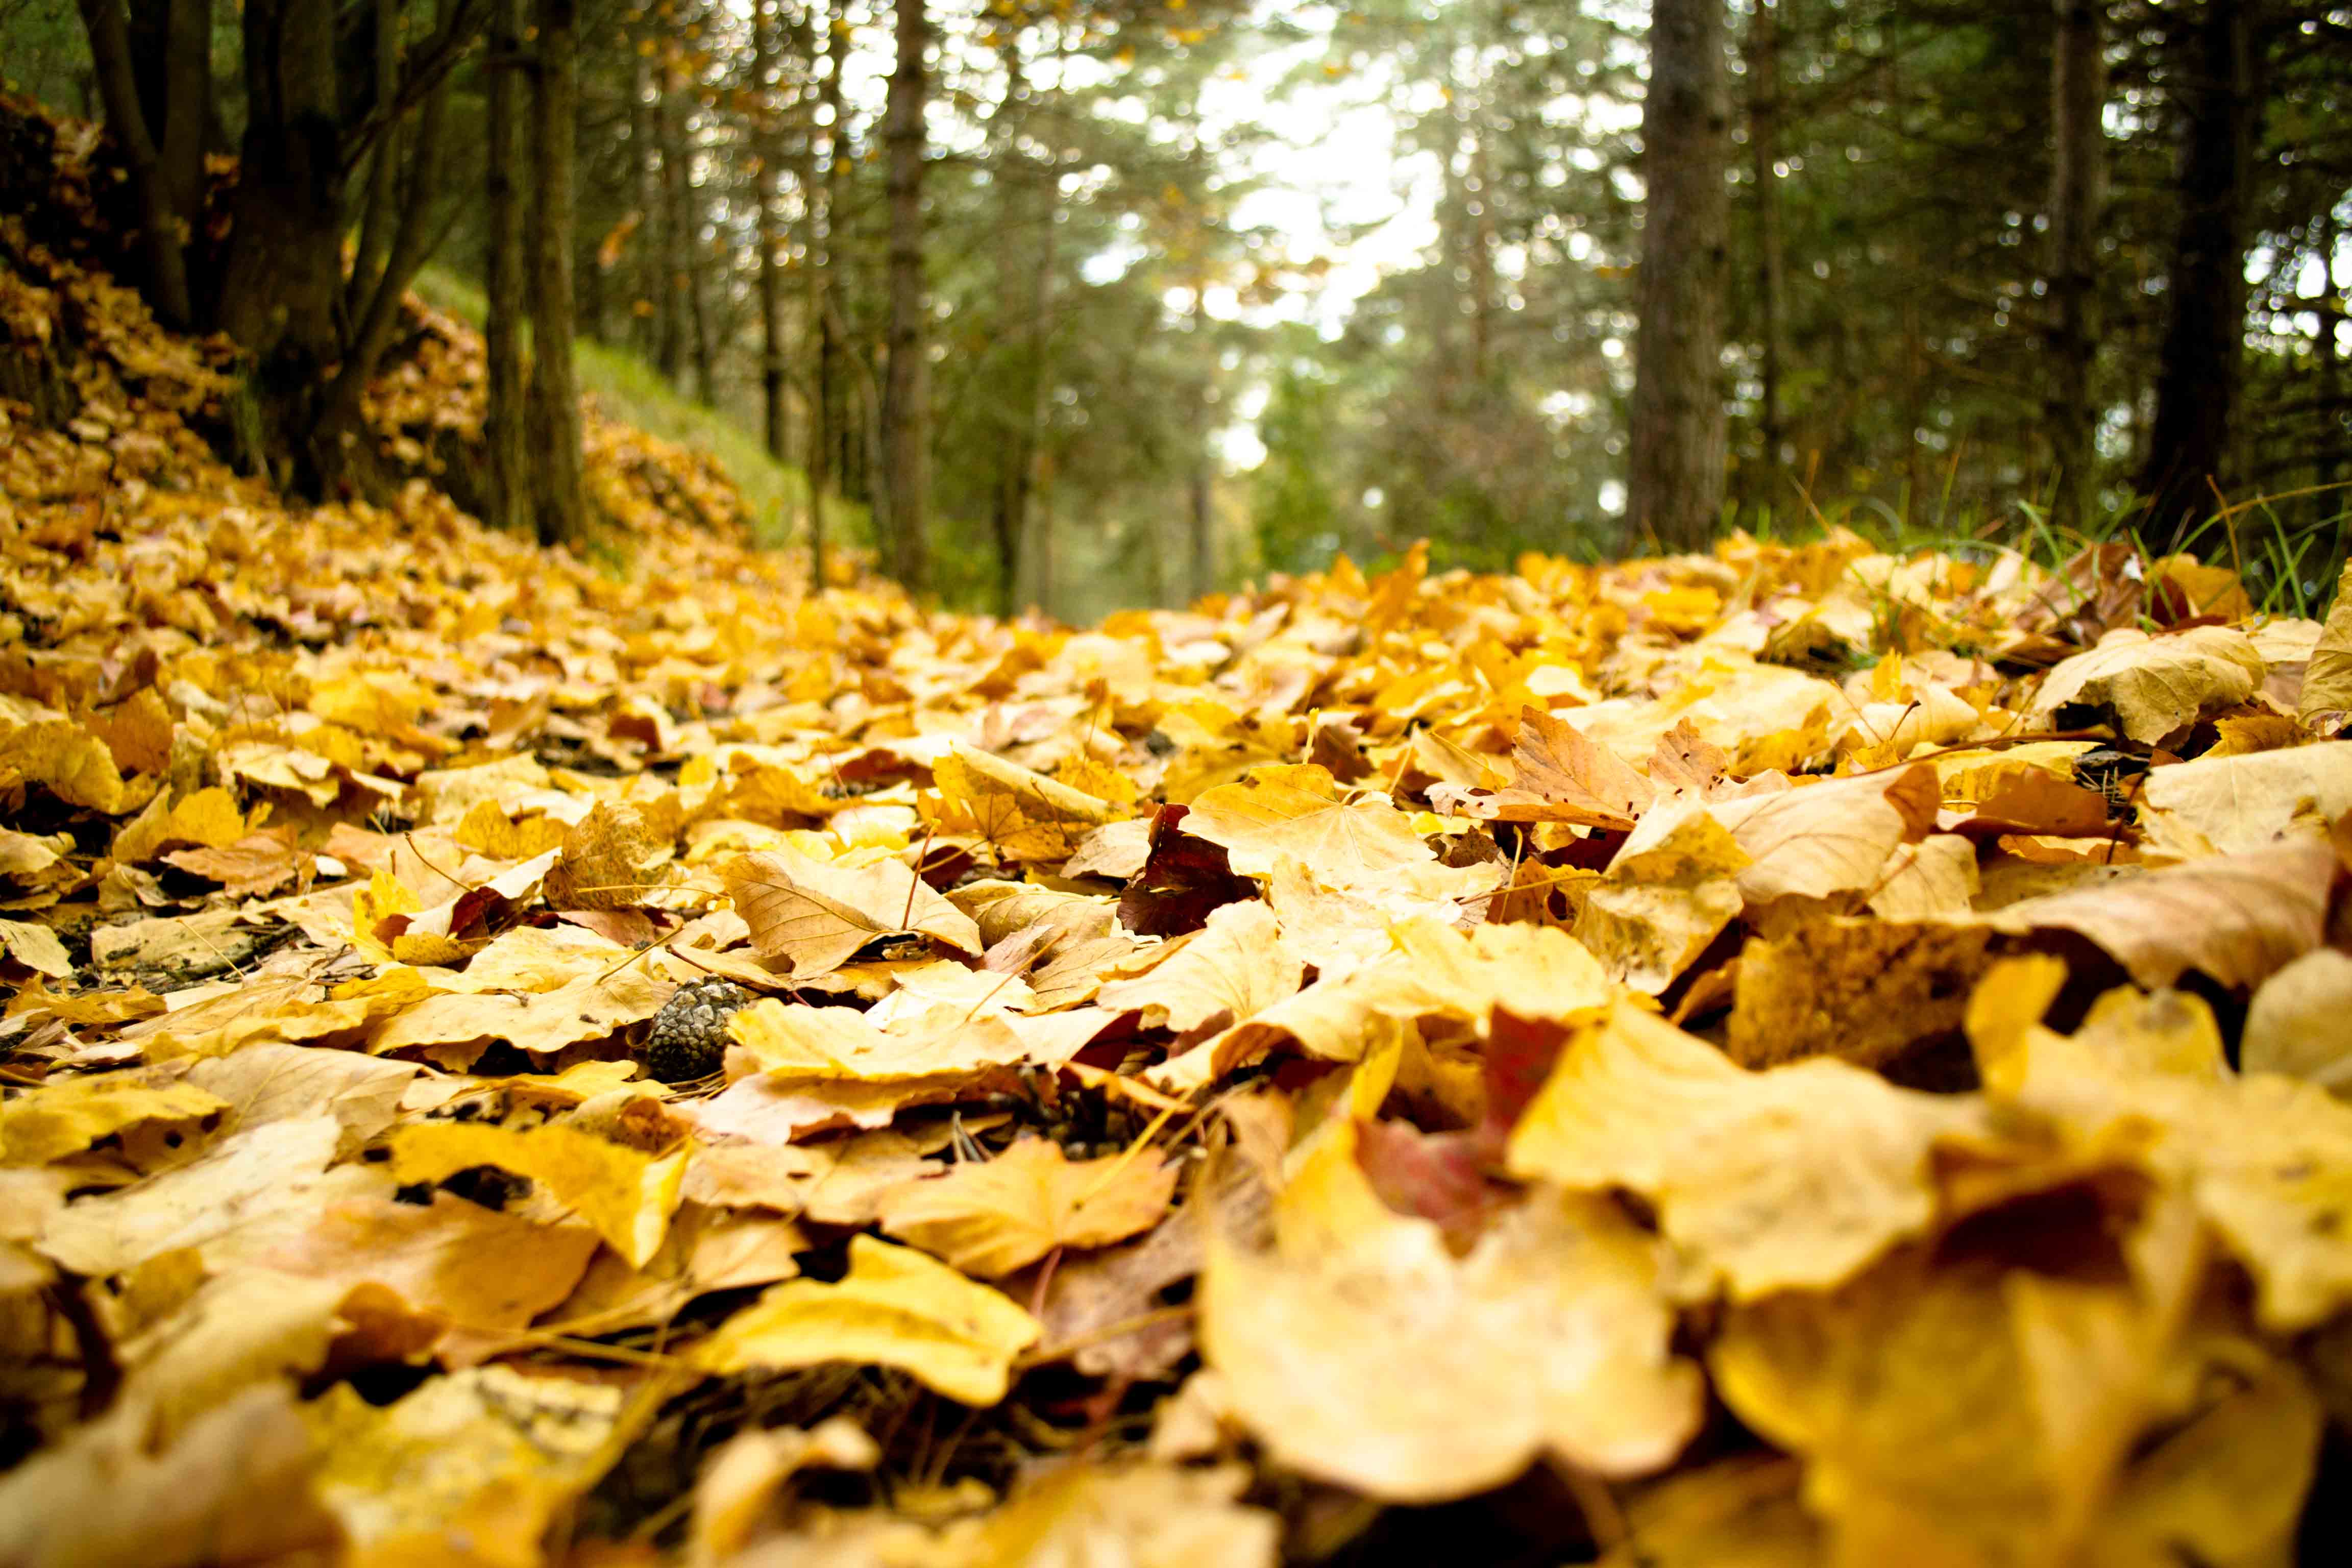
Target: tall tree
555, 413
906, 394
2077, 181
825, 195
2205, 293
767, 29
1764, 110
503, 425
1677, 433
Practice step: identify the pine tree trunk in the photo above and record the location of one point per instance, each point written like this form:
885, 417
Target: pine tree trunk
554, 388
1024, 281
906, 400
1675, 488
824, 194
670, 135
768, 149
503, 427
649, 309
1202, 487
2078, 137
2199, 371
1771, 253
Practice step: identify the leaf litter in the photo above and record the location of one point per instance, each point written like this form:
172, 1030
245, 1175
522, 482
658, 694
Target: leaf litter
1798, 1054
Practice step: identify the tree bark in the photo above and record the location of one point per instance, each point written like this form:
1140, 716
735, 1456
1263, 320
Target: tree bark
554, 388
161, 247
767, 147
2078, 137
503, 425
1675, 488
906, 402
2205, 295
284, 276
649, 309
670, 137
1202, 485
1024, 282
1772, 254
825, 191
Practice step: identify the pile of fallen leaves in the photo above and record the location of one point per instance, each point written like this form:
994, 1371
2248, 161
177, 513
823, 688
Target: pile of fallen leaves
1791, 1056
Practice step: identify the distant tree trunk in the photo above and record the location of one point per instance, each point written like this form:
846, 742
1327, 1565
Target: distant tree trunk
1203, 486
554, 388
1772, 254
2078, 137
1024, 282
2205, 296
161, 237
906, 401
1676, 483
767, 148
1483, 241
2329, 309
503, 427
670, 135
650, 309
824, 195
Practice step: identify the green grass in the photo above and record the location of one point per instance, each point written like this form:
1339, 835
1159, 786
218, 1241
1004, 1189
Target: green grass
627, 389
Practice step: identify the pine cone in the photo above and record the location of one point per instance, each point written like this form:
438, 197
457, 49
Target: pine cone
689, 1039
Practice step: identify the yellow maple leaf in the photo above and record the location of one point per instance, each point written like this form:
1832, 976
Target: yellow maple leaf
895, 1307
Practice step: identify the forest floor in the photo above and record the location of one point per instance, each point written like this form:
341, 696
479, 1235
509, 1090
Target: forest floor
1792, 1055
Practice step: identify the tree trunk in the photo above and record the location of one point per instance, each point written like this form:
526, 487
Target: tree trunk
2328, 310
503, 425
284, 275
649, 311
670, 136
1674, 490
160, 237
554, 388
825, 193
1771, 255
1024, 282
906, 401
2078, 137
1204, 480
2205, 310
768, 149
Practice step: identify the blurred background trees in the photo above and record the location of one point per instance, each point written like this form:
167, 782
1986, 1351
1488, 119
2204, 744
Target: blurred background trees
1025, 289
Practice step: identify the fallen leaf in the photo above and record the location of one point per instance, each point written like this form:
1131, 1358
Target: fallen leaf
1297, 811
1362, 1353
2238, 918
61, 1118
1559, 777
625, 1195
989, 1219
1232, 968
816, 916
2153, 685
1789, 1178
895, 1307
